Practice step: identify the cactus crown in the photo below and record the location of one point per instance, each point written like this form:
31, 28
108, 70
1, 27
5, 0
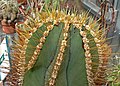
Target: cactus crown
59, 48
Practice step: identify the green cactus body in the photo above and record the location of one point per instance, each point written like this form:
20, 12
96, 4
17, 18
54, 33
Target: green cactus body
59, 49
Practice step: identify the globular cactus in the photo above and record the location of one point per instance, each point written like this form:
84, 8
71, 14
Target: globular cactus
56, 48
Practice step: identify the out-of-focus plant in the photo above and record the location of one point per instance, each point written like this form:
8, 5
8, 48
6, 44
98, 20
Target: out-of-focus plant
114, 76
9, 10
113, 73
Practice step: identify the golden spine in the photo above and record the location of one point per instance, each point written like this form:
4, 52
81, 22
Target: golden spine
60, 56
39, 47
88, 59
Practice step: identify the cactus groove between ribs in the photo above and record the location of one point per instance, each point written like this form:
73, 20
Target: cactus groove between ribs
59, 49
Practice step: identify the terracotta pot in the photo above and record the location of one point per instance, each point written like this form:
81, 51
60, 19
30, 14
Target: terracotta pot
8, 28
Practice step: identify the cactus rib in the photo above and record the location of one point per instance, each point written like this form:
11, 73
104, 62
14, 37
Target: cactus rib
59, 56
39, 47
88, 59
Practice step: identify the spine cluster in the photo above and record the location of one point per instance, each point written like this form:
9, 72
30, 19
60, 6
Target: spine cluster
60, 56
104, 52
88, 58
39, 47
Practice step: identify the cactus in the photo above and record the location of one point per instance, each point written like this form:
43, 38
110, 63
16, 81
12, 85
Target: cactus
59, 48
